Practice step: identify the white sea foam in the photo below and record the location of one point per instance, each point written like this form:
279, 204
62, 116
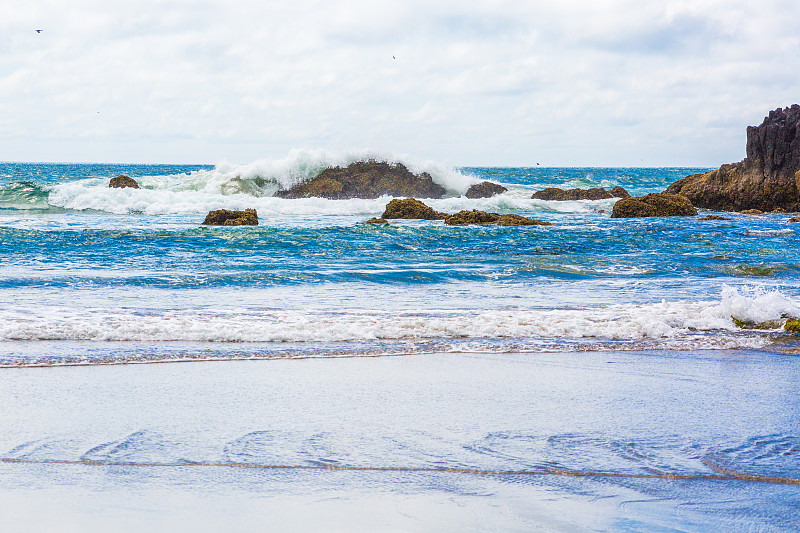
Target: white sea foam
239, 186
674, 321
252, 185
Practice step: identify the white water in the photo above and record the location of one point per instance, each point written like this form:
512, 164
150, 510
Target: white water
665, 320
241, 186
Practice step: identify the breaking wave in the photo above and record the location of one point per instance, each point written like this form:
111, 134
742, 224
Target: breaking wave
234, 186
683, 325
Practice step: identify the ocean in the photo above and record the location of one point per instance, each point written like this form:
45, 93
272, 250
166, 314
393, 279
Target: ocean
317, 373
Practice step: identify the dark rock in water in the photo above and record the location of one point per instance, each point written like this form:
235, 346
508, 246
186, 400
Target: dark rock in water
619, 192
794, 219
223, 217
792, 325
485, 189
471, 217
767, 324
120, 182
366, 179
653, 205
412, 209
596, 193
768, 179
752, 212
517, 220
713, 217
462, 218
375, 220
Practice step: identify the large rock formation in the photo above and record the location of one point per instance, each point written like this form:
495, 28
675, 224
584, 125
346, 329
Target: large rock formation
596, 193
223, 217
653, 205
366, 179
410, 208
485, 189
121, 182
768, 179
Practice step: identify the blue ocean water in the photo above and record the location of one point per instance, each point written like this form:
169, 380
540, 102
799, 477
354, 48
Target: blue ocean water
91, 276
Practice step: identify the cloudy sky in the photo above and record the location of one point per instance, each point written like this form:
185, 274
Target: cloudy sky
567, 82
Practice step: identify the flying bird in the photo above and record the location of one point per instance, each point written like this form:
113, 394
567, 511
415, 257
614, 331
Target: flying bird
39, 31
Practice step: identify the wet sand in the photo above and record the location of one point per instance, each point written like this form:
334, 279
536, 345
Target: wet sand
430, 442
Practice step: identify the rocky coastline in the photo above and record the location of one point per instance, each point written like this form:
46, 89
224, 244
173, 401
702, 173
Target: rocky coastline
768, 179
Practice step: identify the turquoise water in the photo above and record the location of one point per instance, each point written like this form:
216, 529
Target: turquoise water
92, 276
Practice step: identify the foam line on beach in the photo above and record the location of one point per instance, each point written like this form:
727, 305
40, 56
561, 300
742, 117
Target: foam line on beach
724, 475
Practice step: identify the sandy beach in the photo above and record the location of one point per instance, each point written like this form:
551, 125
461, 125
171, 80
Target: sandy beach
605, 440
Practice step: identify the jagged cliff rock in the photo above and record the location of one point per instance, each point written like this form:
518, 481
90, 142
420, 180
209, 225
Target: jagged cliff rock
366, 179
768, 179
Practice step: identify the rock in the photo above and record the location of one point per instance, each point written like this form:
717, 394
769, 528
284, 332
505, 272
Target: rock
223, 217
619, 192
121, 182
597, 193
768, 179
462, 218
792, 325
713, 217
410, 208
767, 324
752, 212
653, 205
794, 219
485, 189
366, 179
375, 220
517, 220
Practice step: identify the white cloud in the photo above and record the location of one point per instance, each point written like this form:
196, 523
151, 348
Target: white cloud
489, 82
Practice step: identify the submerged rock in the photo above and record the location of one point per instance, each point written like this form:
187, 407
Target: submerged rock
375, 220
462, 218
653, 205
121, 182
713, 217
596, 193
485, 189
223, 217
794, 219
366, 179
767, 324
752, 212
768, 179
792, 325
410, 208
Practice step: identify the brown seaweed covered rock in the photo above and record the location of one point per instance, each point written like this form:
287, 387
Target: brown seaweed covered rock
485, 189
120, 182
223, 217
462, 218
410, 208
768, 179
366, 179
596, 193
653, 205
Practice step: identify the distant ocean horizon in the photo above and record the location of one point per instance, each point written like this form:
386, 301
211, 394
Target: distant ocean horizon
579, 367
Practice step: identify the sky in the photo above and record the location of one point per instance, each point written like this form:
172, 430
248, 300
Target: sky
479, 83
